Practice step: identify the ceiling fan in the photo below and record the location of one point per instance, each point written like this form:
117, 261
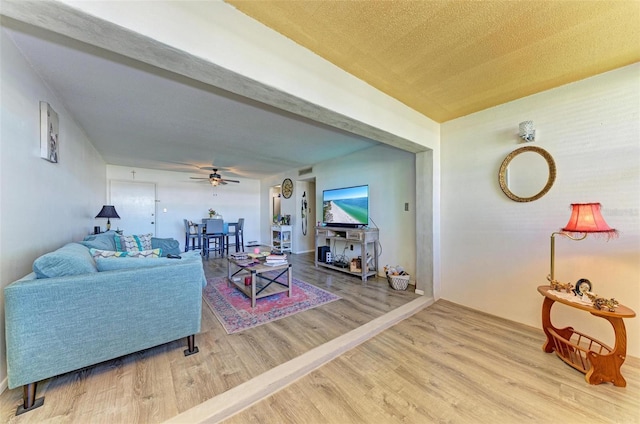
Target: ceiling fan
215, 178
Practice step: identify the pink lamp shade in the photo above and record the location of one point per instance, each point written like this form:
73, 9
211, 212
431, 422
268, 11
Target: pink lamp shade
586, 218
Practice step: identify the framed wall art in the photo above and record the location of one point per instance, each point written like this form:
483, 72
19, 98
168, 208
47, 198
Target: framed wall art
49, 133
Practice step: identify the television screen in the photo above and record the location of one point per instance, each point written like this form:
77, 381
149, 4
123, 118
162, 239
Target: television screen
347, 206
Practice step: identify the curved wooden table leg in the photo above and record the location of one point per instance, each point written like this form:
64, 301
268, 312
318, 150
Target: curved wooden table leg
549, 345
606, 368
546, 324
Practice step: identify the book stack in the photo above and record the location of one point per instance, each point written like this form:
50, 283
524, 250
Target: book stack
275, 260
238, 255
247, 262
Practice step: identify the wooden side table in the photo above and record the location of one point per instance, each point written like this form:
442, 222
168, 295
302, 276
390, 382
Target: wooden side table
599, 362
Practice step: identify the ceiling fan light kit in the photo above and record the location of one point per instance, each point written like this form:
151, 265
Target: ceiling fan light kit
215, 179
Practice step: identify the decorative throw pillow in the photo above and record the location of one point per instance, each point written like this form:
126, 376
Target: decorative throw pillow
71, 259
102, 241
152, 253
133, 243
169, 246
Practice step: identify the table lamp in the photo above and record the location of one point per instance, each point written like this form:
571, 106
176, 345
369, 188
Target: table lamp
108, 212
585, 219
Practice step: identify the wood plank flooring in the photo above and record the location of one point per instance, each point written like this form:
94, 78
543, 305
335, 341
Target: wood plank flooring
159, 383
446, 363
450, 364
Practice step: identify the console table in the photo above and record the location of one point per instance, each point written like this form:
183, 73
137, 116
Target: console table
360, 236
599, 362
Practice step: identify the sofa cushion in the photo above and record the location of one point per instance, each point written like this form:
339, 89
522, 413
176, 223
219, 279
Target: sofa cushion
169, 246
108, 264
71, 259
104, 241
110, 254
133, 243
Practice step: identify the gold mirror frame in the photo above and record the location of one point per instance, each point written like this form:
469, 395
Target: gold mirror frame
502, 174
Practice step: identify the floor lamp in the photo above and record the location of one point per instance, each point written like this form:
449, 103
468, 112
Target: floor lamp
585, 219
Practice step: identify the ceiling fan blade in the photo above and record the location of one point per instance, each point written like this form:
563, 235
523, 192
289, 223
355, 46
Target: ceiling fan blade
212, 168
214, 177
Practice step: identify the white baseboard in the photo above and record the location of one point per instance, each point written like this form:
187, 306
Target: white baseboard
304, 251
420, 292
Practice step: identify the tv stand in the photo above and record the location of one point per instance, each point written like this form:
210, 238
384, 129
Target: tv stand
360, 236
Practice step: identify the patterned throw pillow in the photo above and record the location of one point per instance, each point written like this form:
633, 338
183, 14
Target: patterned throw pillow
133, 243
152, 253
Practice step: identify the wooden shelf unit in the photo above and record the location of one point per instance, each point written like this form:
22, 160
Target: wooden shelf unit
365, 237
282, 238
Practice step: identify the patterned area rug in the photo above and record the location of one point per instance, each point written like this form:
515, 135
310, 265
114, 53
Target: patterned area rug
233, 308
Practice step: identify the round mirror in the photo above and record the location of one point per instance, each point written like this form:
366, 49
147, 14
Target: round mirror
527, 174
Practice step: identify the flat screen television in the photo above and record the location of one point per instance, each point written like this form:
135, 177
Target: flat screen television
346, 207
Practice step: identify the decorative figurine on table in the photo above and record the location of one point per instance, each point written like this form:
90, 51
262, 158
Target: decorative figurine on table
558, 286
601, 303
582, 286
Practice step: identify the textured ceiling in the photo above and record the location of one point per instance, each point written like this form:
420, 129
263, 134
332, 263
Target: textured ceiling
448, 59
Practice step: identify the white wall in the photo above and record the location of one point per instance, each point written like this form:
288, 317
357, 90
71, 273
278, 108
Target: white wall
218, 33
495, 251
42, 205
184, 198
390, 174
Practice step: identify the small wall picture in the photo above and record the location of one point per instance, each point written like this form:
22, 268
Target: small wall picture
49, 133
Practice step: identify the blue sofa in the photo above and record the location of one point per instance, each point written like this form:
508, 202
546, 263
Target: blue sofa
74, 311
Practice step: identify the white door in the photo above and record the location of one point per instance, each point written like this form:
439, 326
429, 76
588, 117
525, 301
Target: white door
135, 202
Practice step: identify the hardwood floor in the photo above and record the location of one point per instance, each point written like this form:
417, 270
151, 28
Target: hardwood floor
159, 383
446, 363
450, 364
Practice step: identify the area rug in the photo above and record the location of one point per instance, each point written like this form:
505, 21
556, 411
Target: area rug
233, 309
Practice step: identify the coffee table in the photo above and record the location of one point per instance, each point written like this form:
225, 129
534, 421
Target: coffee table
261, 284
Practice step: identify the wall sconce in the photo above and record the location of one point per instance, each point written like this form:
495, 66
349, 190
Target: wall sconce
585, 219
527, 132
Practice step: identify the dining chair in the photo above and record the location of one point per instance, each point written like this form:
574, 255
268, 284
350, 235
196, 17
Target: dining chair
237, 235
191, 238
214, 236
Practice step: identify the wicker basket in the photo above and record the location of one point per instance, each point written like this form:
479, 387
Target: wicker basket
398, 282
